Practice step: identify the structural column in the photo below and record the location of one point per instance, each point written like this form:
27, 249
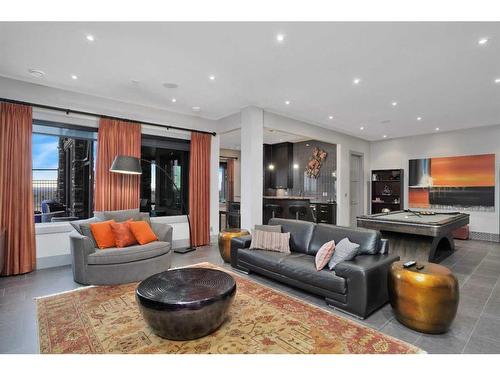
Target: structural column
252, 147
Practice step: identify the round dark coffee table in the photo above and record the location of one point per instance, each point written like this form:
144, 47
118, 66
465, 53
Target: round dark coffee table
186, 303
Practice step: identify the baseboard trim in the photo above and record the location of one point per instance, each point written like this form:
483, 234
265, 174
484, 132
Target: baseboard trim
53, 261
481, 236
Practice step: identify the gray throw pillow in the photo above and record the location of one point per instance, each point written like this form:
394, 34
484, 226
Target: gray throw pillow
78, 223
344, 250
88, 233
268, 228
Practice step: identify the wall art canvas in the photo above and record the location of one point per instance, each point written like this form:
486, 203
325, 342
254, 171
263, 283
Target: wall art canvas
313, 167
466, 182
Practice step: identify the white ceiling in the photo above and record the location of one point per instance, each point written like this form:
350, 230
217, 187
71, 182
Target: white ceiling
232, 139
434, 70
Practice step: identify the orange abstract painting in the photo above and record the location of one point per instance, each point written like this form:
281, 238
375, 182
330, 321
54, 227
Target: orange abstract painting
463, 171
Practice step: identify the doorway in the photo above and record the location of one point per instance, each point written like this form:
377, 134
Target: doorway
356, 187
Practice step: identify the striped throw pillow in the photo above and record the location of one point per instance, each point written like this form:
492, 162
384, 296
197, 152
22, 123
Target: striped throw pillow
271, 241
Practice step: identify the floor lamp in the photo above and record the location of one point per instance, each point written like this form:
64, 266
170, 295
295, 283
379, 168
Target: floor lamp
132, 165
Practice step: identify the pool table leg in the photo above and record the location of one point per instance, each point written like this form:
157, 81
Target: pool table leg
419, 248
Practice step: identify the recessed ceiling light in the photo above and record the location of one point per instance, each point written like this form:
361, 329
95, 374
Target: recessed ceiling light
36, 73
419, 118
330, 117
90, 38
295, 166
271, 167
482, 41
384, 136
394, 104
437, 129
280, 37
356, 81
196, 109
361, 128
170, 85
174, 100
211, 78
287, 102
73, 76
307, 144
497, 80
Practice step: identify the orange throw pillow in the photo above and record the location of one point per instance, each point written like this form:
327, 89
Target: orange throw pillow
103, 234
123, 236
142, 232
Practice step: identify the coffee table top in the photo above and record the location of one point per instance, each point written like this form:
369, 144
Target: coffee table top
185, 288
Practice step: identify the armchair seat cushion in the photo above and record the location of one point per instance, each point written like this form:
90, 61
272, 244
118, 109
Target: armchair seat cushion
303, 268
129, 254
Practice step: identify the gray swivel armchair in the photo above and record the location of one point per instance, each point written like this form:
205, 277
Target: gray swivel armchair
93, 266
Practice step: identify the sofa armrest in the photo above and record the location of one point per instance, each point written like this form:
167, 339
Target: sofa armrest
366, 277
81, 246
242, 242
384, 246
163, 232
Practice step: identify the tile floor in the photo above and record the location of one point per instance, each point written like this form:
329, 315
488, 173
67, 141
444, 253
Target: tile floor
476, 328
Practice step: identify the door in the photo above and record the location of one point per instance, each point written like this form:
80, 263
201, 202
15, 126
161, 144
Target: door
356, 187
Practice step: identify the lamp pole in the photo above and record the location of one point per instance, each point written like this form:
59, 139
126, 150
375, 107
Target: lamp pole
132, 165
183, 209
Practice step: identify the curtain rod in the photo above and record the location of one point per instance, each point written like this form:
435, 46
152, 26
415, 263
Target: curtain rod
68, 111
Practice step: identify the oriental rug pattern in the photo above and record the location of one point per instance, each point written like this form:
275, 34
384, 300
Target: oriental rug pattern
106, 319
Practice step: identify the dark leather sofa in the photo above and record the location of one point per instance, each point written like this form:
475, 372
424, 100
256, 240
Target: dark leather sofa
358, 287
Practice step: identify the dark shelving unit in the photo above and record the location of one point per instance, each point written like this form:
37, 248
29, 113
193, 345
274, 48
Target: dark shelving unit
387, 190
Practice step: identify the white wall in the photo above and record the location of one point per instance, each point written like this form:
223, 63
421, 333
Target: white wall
237, 169
395, 153
345, 144
52, 239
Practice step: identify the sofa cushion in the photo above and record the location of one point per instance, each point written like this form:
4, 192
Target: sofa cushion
301, 267
368, 239
129, 254
300, 233
268, 260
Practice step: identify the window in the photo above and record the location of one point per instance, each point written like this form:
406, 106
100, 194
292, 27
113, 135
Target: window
222, 182
63, 171
162, 194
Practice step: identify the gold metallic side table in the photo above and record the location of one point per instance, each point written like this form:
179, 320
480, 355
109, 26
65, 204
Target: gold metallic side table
425, 300
225, 237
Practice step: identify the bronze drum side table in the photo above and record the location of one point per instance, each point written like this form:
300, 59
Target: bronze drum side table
225, 241
425, 300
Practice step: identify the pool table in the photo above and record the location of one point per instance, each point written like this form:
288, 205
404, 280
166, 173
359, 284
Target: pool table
416, 236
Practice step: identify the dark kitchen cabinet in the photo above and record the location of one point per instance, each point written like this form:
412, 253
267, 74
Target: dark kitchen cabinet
325, 213
278, 166
268, 173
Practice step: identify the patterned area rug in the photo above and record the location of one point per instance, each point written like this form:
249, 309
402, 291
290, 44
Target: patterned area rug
106, 319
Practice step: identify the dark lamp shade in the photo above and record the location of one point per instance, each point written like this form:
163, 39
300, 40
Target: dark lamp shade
126, 165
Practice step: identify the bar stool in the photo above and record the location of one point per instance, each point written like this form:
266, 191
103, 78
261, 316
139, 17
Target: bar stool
274, 208
298, 211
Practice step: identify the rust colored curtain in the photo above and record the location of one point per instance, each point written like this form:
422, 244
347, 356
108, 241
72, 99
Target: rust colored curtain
16, 189
114, 191
230, 180
199, 188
